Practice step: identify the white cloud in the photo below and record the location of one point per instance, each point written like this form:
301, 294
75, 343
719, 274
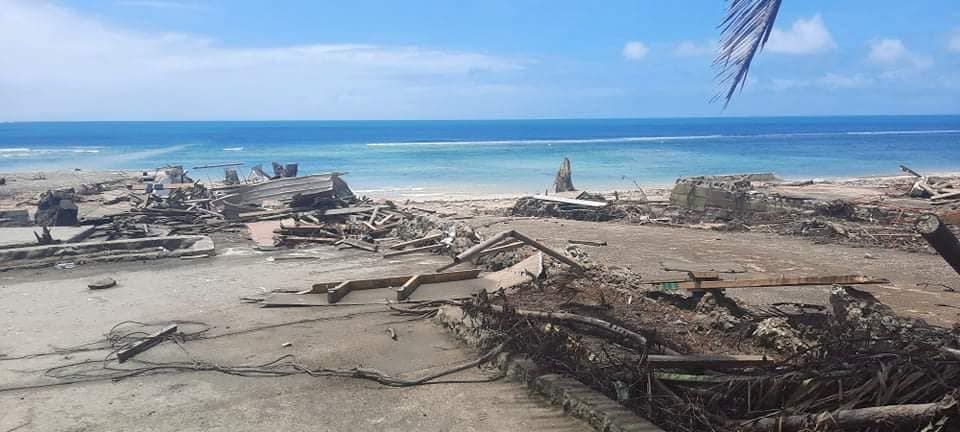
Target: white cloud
805, 36
60, 64
838, 81
887, 51
894, 55
635, 50
695, 49
829, 81
953, 44
159, 4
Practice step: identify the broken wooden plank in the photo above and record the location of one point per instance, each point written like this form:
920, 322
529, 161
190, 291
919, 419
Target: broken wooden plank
770, 282
503, 247
576, 202
587, 242
347, 211
425, 239
947, 195
707, 361
414, 282
475, 250
414, 250
910, 171
359, 244
140, 346
294, 238
384, 282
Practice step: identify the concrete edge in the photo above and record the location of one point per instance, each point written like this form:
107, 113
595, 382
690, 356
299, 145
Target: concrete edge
577, 399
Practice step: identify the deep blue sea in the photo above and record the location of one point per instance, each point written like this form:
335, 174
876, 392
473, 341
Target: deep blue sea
423, 157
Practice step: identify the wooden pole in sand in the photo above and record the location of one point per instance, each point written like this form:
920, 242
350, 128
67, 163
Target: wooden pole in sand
939, 236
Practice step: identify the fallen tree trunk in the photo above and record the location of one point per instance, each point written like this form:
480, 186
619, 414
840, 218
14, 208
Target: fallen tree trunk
911, 415
940, 238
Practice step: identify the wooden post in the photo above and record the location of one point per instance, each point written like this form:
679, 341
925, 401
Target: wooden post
564, 180
940, 238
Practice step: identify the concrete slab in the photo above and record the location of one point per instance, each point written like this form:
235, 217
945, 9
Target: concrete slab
53, 308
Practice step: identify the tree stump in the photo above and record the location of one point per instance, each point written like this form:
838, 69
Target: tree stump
564, 180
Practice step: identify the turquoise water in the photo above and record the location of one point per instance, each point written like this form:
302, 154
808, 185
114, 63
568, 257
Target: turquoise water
503, 155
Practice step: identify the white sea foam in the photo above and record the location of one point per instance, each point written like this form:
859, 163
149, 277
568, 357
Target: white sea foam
654, 138
26, 152
233, 149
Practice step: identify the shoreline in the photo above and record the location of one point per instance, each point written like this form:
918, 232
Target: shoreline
19, 182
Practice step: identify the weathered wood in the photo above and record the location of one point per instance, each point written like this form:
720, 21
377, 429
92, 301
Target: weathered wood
504, 247
140, 346
549, 251
564, 180
946, 196
347, 211
706, 361
587, 242
901, 417
910, 171
940, 238
338, 292
295, 238
414, 282
771, 282
369, 247
571, 201
431, 237
414, 250
477, 249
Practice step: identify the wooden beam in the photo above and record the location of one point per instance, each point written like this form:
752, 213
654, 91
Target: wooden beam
557, 255
414, 282
707, 361
576, 202
145, 344
587, 242
370, 247
477, 249
430, 237
503, 247
338, 292
358, 284
946, 195
414, 250
346, 211
770, 282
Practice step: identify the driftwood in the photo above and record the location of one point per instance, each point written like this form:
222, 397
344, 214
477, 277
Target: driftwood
477, 249
940, 238
859, 419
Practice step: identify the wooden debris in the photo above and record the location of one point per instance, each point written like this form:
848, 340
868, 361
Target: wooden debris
414, 250
476, 249
707, 361
145, 344
431, 237
770, 282
587, 242
414, 282
571, 201
940, 238
359, 244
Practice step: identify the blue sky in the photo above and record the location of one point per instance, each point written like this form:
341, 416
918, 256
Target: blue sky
430, 59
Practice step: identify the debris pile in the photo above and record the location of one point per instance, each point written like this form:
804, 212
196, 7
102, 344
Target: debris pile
857, 366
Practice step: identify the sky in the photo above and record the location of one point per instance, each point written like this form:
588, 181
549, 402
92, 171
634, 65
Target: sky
469, 59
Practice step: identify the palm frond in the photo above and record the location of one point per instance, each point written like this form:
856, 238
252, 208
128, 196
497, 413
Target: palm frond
744, 32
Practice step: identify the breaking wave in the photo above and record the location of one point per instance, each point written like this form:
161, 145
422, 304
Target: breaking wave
10, 152
653, 138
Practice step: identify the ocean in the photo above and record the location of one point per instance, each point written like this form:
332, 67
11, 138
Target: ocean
426, 158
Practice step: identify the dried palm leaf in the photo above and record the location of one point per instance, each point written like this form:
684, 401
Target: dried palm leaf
744, 32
